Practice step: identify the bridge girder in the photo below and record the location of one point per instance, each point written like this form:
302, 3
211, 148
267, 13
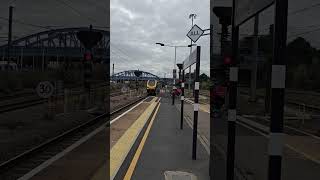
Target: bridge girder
130, 76
56, 42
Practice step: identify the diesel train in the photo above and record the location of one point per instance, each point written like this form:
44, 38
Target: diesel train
152, 87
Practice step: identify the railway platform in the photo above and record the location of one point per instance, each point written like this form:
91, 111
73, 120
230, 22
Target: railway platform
162, 150
252, 138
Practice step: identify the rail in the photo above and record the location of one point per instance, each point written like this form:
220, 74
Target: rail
11, 163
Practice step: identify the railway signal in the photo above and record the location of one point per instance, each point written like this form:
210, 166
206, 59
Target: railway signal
88, 56
87, 74
89, 39
227, 60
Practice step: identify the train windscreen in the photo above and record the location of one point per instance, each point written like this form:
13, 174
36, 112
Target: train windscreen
151, 82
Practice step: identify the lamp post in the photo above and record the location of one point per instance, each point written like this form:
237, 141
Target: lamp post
191, 16
175, 55
175, 60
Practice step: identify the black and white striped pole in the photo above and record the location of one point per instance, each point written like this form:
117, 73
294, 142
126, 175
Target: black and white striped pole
196, 105
276, 137
232, 113
182, 99
181, 77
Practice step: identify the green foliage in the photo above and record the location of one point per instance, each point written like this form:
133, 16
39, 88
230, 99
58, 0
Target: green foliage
303, 61
299, 51
203, 77
265, 44
204, 81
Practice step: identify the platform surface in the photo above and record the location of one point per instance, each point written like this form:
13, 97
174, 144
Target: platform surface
168, 149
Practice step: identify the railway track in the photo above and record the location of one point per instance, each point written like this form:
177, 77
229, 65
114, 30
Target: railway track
292, 99
309, 100
18, 166
17, 95
32, 101
289, 129
20, 105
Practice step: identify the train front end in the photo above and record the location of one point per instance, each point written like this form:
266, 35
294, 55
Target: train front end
151, 87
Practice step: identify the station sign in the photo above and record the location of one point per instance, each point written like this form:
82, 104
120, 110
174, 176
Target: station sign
190, 60
246, 9
195, 33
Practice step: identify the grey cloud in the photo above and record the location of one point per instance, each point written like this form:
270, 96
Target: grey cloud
53, 13
156, 21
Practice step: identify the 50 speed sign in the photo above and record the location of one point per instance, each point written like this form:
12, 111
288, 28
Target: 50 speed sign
45, 89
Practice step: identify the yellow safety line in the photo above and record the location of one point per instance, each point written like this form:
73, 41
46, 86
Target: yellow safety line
139, 150
121, 149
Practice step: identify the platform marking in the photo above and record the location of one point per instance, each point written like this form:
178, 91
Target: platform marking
295, 129
191, 102
141, 145
201, 138
285, 144
206, 144
117, 118
121, 149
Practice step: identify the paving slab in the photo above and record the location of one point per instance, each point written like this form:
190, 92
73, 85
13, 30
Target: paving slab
169, 149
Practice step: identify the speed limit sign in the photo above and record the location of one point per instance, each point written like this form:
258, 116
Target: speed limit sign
45, 89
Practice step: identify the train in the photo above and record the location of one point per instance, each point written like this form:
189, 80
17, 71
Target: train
152, 87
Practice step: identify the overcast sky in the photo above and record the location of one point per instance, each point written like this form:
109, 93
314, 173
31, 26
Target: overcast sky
137, 25
31, 16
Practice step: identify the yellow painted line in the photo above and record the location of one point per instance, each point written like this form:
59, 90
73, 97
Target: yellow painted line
309, 157
121, 149
139, 150
202, 108
202, 138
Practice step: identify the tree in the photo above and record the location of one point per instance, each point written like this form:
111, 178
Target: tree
299, 51
265, 44
203, 77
